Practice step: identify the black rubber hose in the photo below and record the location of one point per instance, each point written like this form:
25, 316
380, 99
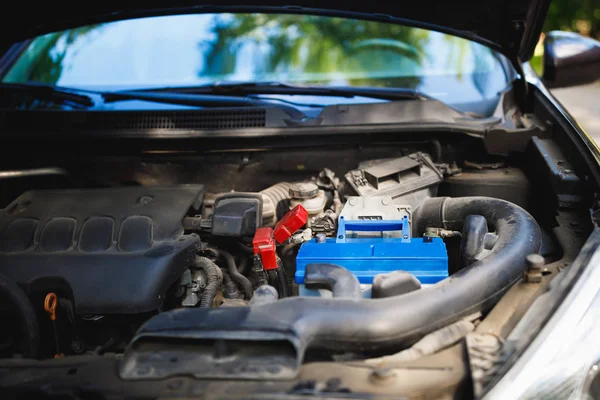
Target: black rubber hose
230, 290
246, 248
341, 282
29, 323
235, 274
437, 151
473, 239
215, 278
344, 324
282, 281
244, 265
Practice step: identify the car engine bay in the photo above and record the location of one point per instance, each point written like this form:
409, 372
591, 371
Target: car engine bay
280, 257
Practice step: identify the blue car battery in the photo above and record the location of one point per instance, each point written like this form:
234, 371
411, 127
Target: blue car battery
426, 258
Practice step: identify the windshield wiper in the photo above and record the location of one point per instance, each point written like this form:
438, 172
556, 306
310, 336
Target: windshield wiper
275, 88
79, 98
198, 100
55, 94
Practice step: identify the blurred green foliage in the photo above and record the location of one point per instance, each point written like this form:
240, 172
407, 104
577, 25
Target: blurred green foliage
582, 16
44, 58
301, 44
315, 44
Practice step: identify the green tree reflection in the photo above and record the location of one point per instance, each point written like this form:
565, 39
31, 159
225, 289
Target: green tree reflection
460, 50
44, 60
364, 53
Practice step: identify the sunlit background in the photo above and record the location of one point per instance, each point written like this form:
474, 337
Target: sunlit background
581, 16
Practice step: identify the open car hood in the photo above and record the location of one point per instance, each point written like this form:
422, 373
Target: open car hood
509, 26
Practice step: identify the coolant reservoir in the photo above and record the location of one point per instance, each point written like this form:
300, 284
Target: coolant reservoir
310, 197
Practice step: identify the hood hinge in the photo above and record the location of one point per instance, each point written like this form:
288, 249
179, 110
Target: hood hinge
522, 91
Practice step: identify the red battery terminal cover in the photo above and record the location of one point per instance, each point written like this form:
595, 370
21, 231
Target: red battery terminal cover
264, 246
290, 223
264, 239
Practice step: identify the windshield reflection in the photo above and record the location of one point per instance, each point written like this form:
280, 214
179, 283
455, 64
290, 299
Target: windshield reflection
189, 50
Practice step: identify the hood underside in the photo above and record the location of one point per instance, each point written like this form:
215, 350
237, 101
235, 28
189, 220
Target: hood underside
509, 26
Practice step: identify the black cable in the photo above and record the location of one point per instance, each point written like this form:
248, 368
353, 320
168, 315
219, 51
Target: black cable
235, 274
282, 282
244, 266
215, 278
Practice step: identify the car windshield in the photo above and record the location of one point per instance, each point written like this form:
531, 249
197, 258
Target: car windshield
201, 49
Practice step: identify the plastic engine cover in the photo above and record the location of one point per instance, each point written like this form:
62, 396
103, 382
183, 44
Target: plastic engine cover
113, 250
426, 258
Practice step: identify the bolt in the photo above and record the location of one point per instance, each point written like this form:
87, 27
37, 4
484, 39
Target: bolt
78, 346
432, 232
145, 200
321, 238
567, 171
533, 272
385, 201
383, 374
405, 237
352, 201
535, 261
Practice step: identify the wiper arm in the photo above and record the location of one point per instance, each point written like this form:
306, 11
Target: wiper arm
55, 94
257, 88
198, 100
77, 98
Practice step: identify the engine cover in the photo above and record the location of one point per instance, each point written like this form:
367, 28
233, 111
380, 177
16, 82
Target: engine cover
114, 250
